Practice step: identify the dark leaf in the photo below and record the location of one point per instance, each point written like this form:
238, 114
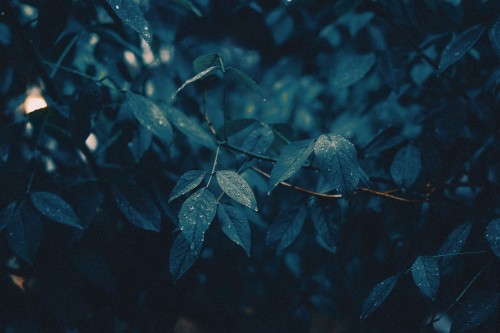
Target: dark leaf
459, 46
24, 232
378, 295
188, 5
259, 140
248, 81
392, 69
131, 14
235, 225
237, 188
6, 214
493, 236
195, 216
338, 162
206, 61
195, 78
182, 256
350, 67
454, 243
189, 127
150, 116
140, 143
291, 159
425, 272
186, 183
474, 311
55, 208
90, 262
494, 35
326, 219
406, 166
286, 227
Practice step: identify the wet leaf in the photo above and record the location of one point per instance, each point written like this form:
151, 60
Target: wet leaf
325, 216
406, 166
140, 143
350, 67
182, 256
24, 232
190, 128
55, 208
425, 272
234, 224
459, 46
237, 188
206, 61
493, 236
474, 311
454, 243
378, 295
131, 14
259, 140
195, 78
186, 183
286, 227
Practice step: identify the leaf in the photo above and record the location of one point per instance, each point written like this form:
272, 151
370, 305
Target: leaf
237, 188
24, 232
392, 69
182, 256
350, 67
338, 162
425, 272
188, 5
406, 166
131, 14
459, 46
259, 140
286, 227
377, 296
326, 220
195, 216
186, 183
150, 116
454, 243
206, 61
493, 236
195, 78
190, 128
474, 311
235, 225
140, 143
494, 36
55, 208
248, 81
291, 159
6, 214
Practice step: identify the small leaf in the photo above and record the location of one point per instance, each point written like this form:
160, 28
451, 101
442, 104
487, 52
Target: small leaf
182, 256
459, 46
140, 143
206, 61
248, 81
454, 243
474, 311
493, 235
195, 78
259, 140
235, 225
237, 188
338, 162
24, 232
291, 159
286, 227
326, 219
131, 14
188, 5
150, 116
196, 215
425, 272
494, 35
55, 208
350, 67
190, 128
377, 296
406, 166
186, 183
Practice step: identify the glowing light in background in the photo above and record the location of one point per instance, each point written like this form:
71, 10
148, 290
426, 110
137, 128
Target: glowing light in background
34, 101
91, 142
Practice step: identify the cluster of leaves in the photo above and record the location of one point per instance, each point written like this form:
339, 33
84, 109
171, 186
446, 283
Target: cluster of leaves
370, 139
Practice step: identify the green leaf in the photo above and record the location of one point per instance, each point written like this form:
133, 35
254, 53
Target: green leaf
259, 140
454, 243
188, 5
24, 232
377, 296
195, 78
236, 188
425, 272
234, 224
338, 162
291, 159
326, 220
190, 128
350, 67
150, 116
459, 46
492, 235
131, 14
195, 216
248, 81
206, 61
286, 227
55, 208
182, 256
186, 183
406, 166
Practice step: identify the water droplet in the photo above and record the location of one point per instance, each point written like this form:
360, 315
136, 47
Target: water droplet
117, 7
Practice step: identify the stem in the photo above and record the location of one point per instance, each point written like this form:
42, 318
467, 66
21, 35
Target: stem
63, 55
459, 254
213, 166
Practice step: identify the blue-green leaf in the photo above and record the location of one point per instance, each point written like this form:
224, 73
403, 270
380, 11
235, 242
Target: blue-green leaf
350, 67
494, 36
131, 14
454, 243
286, 227
55, 208
182, 256
24, 232
196, 215
237, 188
259, 140
188, 5
206, 61
235, 225
406, 166
6, 214
474, 311
378, 295
291, 159
195, 78
492, 235
459, 46
186, 183
248, 81
326, 219
190, 128
140, 143
425, 272
338, 162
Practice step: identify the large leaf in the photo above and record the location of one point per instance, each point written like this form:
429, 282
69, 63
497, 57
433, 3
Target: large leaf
494, 35
55, 208
459, 46
326, 219
474, 311
248, 81
190, 128
24, 232
425, 272
406, 166
195, 78
182, 256
350, 67
186, 183
338, 162
235, 225
377, 296
286, 227
291, 159
130, 13
493, 236
195, 216
150, 116
454, 243
237, 188
206, 61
